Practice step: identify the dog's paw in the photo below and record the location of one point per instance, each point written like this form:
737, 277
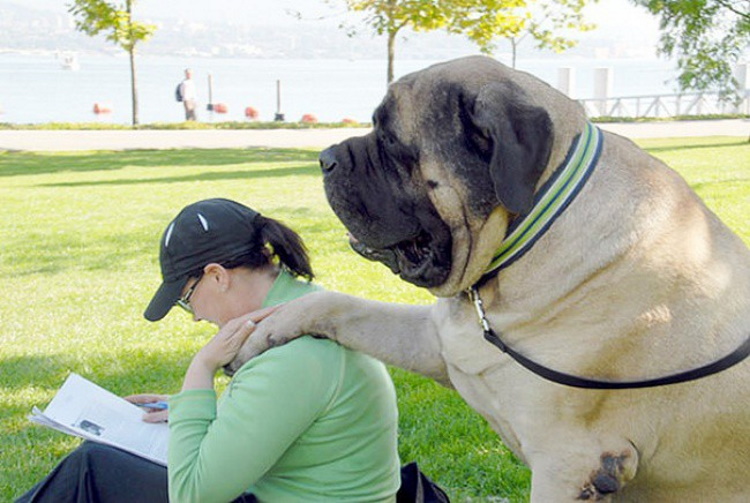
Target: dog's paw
252, 347
259, 342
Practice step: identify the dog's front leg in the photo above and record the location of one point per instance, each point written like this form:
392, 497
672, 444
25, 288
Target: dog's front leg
398, 334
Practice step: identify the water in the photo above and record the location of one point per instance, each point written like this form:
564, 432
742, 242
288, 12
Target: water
35, 88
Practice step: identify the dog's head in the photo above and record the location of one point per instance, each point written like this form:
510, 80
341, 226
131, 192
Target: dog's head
456, 150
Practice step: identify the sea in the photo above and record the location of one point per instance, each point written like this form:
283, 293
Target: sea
36, 88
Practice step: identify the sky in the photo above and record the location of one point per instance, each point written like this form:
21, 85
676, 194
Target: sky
616, 19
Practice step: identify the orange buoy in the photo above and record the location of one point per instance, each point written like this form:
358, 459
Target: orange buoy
220, 108
101, 108
251, 113
309, 119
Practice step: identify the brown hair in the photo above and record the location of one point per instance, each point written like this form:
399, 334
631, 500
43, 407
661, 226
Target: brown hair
275, 241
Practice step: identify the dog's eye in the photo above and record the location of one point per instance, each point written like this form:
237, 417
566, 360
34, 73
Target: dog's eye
395, 152
387, 139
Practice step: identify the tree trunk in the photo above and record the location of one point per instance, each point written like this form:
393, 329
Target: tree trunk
133, 86
391, 54
131, 53
514, 46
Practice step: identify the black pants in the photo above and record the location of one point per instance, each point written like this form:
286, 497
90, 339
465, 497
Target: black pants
97, 473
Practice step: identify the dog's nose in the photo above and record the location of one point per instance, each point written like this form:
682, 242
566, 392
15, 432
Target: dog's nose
327, 160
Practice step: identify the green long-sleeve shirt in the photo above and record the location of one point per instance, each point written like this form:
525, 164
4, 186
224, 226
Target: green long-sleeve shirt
304, 422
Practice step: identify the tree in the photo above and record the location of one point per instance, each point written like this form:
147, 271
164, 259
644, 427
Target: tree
116, 20
389, 17
708, 36
482, 21
545, 22
486, 21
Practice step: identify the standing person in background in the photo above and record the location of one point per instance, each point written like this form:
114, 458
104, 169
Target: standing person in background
187, 92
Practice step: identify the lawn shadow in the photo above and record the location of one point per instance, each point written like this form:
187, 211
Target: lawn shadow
310, 169
20, 371
700, 186
58, 253
131, 370
696, 144
38, 163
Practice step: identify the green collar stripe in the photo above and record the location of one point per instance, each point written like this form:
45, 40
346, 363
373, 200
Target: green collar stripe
552, 199
543, 207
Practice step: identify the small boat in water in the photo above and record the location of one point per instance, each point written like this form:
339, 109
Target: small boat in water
69, 61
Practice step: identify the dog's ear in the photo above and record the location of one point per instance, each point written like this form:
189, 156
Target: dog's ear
521, 137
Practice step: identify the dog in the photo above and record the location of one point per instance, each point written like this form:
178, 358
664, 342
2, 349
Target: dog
590, 306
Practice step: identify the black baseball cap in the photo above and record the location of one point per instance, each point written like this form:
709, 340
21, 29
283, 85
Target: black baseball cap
213, 230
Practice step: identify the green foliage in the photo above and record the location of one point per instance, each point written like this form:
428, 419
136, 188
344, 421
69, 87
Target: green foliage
482, 21
708, 36
390, 16
547, 18
93, 17
548, 22
79, 264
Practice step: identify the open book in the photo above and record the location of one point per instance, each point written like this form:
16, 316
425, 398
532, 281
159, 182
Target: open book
83, 409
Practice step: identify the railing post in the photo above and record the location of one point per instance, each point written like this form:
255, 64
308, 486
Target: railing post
742, 74
566, 79
602, 88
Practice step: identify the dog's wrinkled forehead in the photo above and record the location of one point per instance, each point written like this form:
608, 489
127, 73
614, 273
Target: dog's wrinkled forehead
432, 102
394, 114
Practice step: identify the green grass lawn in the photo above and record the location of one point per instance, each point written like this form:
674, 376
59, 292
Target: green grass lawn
78, 263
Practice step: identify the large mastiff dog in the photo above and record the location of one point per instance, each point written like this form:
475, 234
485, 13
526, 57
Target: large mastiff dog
589, 262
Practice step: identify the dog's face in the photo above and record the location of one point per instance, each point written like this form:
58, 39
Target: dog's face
454, 148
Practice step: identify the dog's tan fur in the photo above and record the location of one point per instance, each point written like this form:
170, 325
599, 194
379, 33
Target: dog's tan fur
637, 279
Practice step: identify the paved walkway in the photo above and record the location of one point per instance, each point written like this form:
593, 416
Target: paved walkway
299, 138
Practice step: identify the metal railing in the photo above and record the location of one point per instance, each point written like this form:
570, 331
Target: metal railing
664, 105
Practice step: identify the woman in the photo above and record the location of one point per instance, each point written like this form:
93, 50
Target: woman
308, 421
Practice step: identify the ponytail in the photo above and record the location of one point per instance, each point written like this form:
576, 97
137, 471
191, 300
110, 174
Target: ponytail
285, 244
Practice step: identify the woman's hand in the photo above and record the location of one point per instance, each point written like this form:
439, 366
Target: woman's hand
221, 349
151, 415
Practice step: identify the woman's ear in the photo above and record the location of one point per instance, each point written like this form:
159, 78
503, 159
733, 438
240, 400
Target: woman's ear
217, 274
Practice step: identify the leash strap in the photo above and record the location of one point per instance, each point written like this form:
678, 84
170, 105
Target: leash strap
724, 363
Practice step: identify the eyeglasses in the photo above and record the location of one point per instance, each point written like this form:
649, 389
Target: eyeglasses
184, 301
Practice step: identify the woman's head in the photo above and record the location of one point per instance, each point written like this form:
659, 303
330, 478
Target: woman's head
224, 232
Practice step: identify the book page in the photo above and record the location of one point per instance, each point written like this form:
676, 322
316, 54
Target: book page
86, 410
